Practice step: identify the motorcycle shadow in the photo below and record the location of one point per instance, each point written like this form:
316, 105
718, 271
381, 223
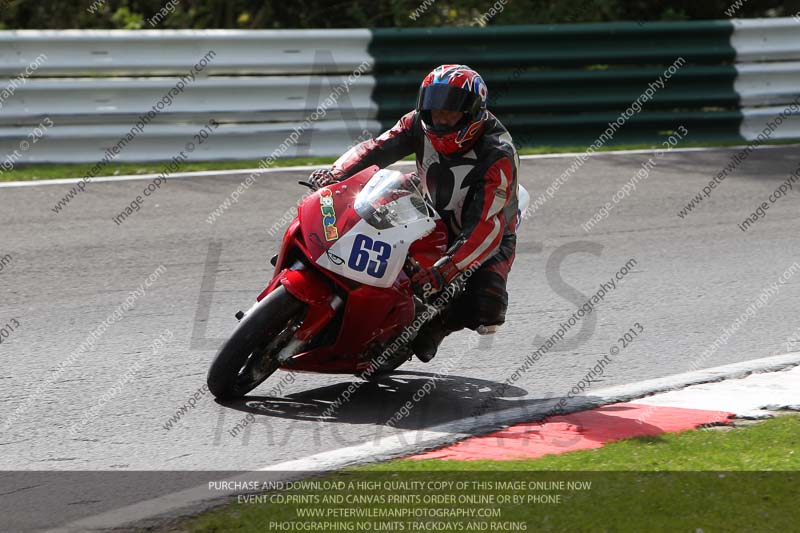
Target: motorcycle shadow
404, 399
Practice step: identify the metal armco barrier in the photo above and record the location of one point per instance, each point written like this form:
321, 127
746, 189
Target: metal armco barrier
261, 86
550, 84
153, 52
563, 84
236, 99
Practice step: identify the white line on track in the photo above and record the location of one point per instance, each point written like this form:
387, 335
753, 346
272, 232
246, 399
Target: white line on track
259, 171
409, 442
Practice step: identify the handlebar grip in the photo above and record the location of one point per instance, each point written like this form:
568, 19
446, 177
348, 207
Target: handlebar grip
412, 266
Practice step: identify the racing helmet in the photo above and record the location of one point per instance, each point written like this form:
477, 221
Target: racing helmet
453, 88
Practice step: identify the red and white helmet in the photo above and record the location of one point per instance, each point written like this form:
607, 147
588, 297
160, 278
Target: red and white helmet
453, 88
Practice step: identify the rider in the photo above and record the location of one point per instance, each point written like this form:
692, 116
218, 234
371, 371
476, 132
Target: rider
468, 166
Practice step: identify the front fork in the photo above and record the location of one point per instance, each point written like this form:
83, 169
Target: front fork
313, 289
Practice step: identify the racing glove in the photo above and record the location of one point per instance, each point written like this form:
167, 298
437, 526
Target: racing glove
322, 177
428, 282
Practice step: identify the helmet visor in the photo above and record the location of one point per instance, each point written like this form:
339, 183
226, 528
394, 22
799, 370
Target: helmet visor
443, 97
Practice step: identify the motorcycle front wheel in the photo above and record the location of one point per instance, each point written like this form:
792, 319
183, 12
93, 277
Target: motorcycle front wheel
248, 357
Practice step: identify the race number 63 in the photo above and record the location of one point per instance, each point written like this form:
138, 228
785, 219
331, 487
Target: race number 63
361, 259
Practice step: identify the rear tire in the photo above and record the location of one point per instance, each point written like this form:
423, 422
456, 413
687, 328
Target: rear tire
248, 357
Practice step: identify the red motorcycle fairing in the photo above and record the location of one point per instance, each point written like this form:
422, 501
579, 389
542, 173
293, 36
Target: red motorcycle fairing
370, 315
328, 213
309, 287
430, 249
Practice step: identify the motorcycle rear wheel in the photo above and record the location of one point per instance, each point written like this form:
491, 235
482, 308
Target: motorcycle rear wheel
390, 365
248, 357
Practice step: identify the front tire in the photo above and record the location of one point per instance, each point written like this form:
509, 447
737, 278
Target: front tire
248, 357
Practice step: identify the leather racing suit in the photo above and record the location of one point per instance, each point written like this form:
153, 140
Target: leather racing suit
475, 194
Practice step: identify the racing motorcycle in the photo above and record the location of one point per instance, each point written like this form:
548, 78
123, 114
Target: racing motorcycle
341, 297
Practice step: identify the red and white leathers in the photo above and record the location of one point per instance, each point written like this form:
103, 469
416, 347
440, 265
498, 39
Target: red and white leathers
474, 192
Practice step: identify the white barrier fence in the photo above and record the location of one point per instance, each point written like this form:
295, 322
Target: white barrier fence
768, 74
260, 86
244, 99
766, 39
154, 52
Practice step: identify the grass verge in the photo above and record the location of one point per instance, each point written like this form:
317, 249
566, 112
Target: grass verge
59, 171
770, 445
744, 479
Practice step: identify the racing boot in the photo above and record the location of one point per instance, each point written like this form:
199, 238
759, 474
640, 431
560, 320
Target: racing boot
430, 336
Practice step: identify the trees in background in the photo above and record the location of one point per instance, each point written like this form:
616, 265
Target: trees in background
254, 14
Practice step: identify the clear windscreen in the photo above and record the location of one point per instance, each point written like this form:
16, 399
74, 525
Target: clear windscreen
392, 199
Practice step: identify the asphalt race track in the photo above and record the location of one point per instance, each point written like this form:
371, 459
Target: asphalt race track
69, 271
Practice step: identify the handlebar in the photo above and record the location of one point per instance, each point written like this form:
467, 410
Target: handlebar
309, 185
411, 266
